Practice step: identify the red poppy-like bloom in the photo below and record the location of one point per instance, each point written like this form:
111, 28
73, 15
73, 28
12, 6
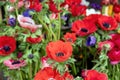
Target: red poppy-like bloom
106, 2
90, 18
83, 28
34, 40
7, 45
117, 16
77, 10
52, 6
116, 8
94, 75
34, 4
70, 37
114, 55
72, 2
49, 74
107, 23
68, 76
14, 64
59, 51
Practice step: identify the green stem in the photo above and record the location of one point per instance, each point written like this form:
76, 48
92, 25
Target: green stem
50, 27
36, 67
30, 68
59, 16
41, 21
74, 69
20, 75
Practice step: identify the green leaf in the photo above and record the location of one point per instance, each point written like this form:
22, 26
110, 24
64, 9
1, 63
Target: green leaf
3, 58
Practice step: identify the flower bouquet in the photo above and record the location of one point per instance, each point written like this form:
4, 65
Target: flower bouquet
60, 39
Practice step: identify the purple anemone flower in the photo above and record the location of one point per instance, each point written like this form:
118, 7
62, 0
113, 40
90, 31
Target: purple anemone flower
12, 22
26, 13
91, 41
95, 6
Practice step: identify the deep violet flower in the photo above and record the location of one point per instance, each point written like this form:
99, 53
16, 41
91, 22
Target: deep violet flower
26, 13
91, 41
95, 6
12, 22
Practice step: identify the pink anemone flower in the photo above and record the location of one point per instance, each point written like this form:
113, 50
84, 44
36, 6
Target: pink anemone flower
28, 23
14, 64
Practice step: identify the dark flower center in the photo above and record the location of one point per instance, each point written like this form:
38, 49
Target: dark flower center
15, 62
30, 56
59, 54
84, 30
70, 40
6, 48
106, 25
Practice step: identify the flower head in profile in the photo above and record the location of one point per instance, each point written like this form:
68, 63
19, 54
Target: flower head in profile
28, 23
7, 45
70, 37
14, 64
107, 23
59, 51
34, 40
94, 75
83, 28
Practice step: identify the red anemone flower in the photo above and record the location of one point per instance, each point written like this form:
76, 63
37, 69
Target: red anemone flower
90, 18
94, 75
52, 74
72, 2
83, 28
116, 39
70, 37
107, 23
36, 5
47, 74
59, 51
7, 45
114, 55
52, 6
33, 40
77, 10
116, 8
